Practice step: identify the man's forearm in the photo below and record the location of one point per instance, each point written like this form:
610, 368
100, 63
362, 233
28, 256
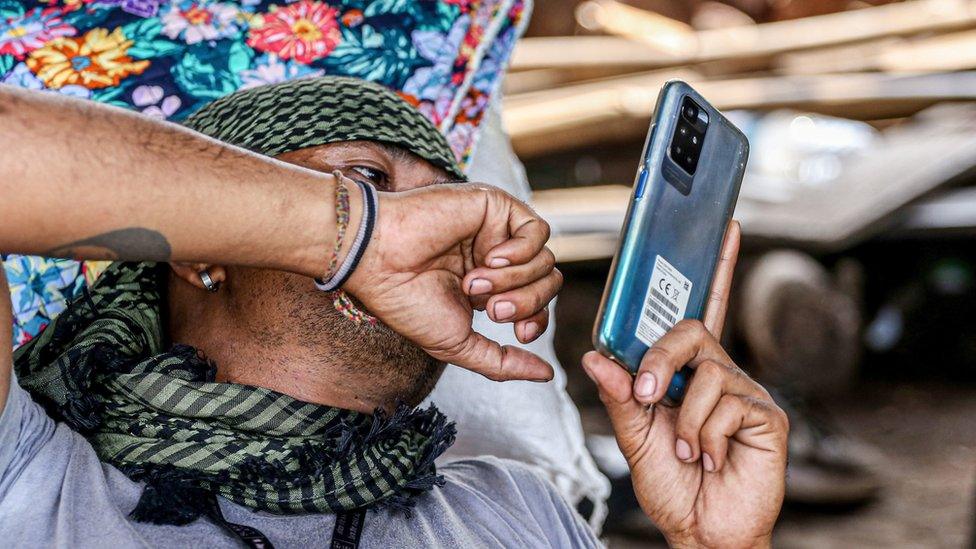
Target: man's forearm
83, 180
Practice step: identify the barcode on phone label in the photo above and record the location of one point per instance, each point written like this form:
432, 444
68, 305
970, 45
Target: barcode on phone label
665, 302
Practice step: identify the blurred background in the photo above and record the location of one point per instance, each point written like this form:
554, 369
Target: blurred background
855, 298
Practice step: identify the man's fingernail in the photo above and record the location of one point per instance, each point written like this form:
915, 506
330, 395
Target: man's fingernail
499, 262
708, 463
479, 286
646, 385
682, 450
504, 310
530, 330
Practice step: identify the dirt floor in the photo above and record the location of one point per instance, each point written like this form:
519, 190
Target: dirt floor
926, 437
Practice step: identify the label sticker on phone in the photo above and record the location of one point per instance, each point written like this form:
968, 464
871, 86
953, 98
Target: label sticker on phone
665, 302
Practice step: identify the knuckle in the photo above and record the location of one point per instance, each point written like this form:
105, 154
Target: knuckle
558, 276
537, 301
548, 259
716, 295
655, 355
733, 404
691, 326
711, 437
606, 399
686, 429
495, 374
781, 418
711, 371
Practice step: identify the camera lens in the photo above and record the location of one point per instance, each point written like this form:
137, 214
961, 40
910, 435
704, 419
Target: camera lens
683, 130
677, 149
690, 112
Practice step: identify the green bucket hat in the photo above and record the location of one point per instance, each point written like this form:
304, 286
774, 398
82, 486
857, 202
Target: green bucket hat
280, 118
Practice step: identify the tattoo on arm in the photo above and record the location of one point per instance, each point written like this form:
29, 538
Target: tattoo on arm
130, 244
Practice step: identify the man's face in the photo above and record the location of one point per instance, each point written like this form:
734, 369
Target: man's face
280, 308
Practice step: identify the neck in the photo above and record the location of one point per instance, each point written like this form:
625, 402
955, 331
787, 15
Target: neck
251, 353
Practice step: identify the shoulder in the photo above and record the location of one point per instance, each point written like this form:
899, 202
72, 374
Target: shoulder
496, 473
518, 494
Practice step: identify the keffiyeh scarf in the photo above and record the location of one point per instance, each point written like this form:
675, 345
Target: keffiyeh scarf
158, 415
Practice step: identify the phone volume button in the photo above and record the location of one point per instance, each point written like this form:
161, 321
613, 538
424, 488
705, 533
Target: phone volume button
641, 183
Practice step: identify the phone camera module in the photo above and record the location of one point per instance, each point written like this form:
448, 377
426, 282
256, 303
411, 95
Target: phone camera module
689, 135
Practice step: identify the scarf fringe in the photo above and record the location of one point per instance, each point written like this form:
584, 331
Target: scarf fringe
170, 501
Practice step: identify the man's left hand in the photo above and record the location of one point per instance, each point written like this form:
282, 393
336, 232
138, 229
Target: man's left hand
440, 252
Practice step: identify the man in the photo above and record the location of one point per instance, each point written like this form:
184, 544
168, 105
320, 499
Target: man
168, 58
276, 426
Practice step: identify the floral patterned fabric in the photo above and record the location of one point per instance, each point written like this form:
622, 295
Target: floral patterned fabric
168, 58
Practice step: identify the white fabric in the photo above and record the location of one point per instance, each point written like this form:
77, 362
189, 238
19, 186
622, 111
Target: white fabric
535, 423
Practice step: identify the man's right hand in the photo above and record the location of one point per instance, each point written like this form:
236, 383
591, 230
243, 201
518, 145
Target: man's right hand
712, 472
439, 252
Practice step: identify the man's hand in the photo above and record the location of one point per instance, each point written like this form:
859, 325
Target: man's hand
439, 252
712, 472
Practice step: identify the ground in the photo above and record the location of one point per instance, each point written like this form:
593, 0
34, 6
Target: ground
927, 438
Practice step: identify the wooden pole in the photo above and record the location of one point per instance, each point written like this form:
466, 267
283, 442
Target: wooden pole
946, 52
619, 108
671, 44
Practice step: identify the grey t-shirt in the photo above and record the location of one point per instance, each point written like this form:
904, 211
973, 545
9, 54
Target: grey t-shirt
54, 492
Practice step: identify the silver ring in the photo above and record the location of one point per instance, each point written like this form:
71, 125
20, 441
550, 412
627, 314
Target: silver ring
208, 282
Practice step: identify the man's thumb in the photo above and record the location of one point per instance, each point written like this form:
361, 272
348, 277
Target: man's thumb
498, 363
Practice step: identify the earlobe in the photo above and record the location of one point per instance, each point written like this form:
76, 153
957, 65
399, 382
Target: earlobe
192, 273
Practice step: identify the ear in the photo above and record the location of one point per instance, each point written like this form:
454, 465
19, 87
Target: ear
190, 273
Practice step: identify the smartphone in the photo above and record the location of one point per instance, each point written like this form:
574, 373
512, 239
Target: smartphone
683, 198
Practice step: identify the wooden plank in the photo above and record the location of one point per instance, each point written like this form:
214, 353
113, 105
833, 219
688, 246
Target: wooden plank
647, 27
568, 52
947, 52
547, 79
619, 108
679, 47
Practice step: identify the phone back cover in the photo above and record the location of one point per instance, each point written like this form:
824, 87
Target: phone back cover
686, 230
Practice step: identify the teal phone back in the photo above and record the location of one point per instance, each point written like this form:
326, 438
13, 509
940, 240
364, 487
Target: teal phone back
672, 234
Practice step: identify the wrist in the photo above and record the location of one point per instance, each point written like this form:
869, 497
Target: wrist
316, 215
356, 212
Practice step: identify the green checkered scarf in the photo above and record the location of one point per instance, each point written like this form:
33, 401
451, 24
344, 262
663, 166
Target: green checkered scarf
157, 414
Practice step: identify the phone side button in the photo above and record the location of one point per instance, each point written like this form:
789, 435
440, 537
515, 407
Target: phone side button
641, 183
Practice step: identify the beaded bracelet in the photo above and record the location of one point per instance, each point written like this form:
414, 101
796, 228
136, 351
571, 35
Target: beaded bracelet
342, 221
338, 277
